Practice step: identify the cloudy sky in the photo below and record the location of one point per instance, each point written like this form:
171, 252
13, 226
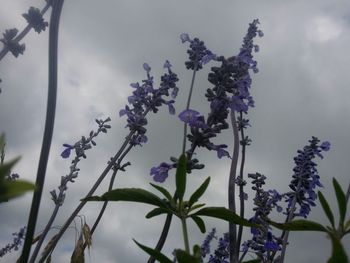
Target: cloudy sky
301, 91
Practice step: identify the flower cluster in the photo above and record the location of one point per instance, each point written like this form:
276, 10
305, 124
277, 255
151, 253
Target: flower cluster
198, 53
221, 254
205, 247
17, 241
231, 77
305, 178
35, 19
10, 42
263, 241
146, 98
80, 147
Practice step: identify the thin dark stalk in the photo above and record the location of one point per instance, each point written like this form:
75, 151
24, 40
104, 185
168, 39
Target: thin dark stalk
89, 194
285, 234
241, 192
44, 233
111, 183
49, 125
24, 32
242, 256
188, 106
231, 189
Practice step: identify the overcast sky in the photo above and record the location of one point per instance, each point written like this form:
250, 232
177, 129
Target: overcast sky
301, 91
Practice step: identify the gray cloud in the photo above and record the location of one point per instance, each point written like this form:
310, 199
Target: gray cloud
300, 91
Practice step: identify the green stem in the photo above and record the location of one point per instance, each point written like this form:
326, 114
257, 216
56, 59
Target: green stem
185, 234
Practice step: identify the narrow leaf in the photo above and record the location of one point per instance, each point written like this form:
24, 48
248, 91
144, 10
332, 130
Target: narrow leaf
154, 253
183, 257
13, 189
338, 252
300, 225
87, 235
5, 168
194, 207
347, 225
163, 191
156, 212
132, 195
78, 253
326, 208
181, 177
224, 214
199, 222
199, 192
341, 200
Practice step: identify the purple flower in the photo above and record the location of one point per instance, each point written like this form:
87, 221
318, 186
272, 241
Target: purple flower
193, 119
270, 245
198, 53
167, 65
205, 247
160, 173
305, 178
17, 241
221, 254
189, 116
325, 146
66, 152
185, 38
146, 67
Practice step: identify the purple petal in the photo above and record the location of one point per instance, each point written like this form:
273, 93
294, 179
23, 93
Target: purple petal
185, 37
66, 153
146, 67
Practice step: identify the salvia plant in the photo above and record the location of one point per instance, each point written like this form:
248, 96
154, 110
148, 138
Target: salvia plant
229, 101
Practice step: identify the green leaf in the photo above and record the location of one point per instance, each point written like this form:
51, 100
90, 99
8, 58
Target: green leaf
326, 208
154, 253
338, 252
130, 194
347, 225
253, 261
157, 211
181, 177
183, 257
224, 214
341, 200
194, 207
5, 168
197, 251
13, 189
200, 223
300, 225
199, 192
164, 192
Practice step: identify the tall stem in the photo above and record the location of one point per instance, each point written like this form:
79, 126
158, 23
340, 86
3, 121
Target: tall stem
188, 106
185, 234
290, 216
49, 125
231, 189
241, 192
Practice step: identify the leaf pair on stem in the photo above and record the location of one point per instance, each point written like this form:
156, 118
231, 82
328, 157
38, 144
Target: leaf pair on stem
178, 207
